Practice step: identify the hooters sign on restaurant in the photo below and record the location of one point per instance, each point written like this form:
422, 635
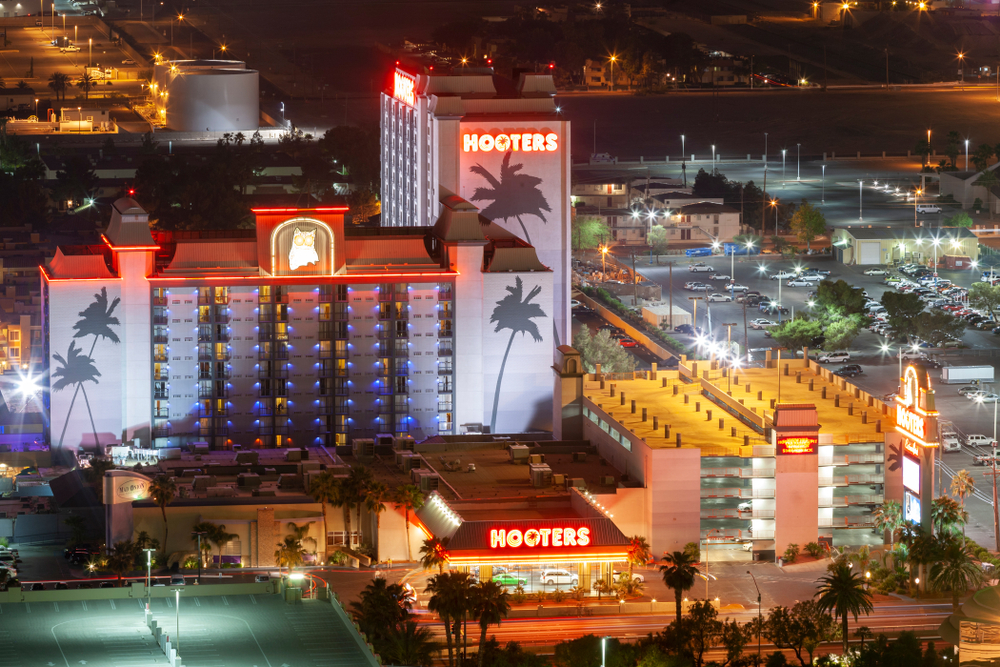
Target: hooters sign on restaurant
539, 537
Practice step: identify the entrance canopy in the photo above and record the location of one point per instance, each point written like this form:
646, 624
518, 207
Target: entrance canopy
537, 541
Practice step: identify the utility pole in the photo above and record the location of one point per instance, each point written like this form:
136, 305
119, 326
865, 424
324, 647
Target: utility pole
635, 283
746, 333
729, 342
694, 318
670, 292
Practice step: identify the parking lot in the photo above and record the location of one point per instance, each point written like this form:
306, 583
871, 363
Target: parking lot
242, 630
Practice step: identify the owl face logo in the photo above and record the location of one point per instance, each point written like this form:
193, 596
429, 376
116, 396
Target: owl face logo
303, 250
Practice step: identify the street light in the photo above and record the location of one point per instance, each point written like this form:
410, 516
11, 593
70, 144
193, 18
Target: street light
861, 184
200, 553
822, 199
682, 148
713, 159
782, 167
613, 59
961, 66
774, 205
916, 193
149, 566
798, 157
967, 155
177, 632
759, 621
604, 264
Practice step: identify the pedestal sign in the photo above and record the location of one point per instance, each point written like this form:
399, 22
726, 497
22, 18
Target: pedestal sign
916, 422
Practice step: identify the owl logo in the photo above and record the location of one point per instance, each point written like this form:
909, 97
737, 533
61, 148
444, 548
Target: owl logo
303, 250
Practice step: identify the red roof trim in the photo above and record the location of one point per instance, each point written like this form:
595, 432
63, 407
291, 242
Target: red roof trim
50, 279
325, 209
122, 248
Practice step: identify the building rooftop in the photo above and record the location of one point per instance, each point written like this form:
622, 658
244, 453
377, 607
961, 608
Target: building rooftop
686, 412
907, 234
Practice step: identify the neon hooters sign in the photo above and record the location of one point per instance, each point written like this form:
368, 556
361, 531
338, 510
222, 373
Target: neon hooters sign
404, 88
539, 537
524, 142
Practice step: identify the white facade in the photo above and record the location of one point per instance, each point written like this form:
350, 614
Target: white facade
207, 95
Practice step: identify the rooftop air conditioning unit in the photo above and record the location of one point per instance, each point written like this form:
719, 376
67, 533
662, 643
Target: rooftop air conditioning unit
541, 475
363, 448
607, 480
429, 481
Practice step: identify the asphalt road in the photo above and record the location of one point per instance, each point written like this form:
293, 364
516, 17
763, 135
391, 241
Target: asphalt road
229, 631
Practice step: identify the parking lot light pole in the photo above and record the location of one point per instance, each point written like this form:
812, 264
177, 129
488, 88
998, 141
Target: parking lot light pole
967, 155
177, 632
822, 197
149, 567
760, 624
861, 188
782, 167
916, 193
798, 161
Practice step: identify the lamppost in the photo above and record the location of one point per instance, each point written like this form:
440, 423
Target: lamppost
861, 188
36, 107
149, 566
732, 362
774, 205
683, 154
713, 159
993, 464
782, 168
928, 148
967, 155
936, 241
765, 152
180, 17
760, 623
822, 199
90, 52
200, 553
177, 632
798, 160
221, 49
604, 263
613, 59
961, 66
916, 193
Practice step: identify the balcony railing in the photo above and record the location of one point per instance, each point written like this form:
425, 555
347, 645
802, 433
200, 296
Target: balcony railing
159, 300
160, 319
721, 513
162, 376
272, 373
274, 354
161, 339
861, 521
845, 480
160, 358
215, 356
850, 459
161, 432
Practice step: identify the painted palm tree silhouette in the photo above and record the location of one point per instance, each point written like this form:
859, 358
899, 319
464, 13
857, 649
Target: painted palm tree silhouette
97, 320
513, 195
75, 369
513, 313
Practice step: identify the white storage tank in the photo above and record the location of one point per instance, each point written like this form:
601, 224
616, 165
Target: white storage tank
208, 95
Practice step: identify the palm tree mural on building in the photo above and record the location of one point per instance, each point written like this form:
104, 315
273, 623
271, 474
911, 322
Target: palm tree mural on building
516, 314
75, 369
96, 320
513, 195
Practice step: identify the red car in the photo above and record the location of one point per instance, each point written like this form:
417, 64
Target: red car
627, 342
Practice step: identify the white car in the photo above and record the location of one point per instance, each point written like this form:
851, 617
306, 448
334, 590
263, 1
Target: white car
928, 208
719, 297
783, 275
978, 440
812, 277
558, 577
876, 272
738, 288
573, 303
720, 276
702, 267
912, 354
761, 323
798, 282
833, 358
745, 506
951, 442
635, 576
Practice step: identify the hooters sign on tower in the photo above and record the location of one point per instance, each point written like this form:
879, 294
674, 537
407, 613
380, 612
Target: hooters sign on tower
917, 428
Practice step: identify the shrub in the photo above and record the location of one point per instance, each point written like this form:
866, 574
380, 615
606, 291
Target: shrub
693, 550
337, 558
190, 563
978, 204
518, 594
791, 553
558, 596
814, 549
776, 659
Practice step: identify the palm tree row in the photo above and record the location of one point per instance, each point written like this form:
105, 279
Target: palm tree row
455, 597
211, 533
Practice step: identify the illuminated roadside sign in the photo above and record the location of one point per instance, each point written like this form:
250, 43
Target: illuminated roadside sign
797, 444
911, 508
404, 88
911, 417
911, 474
911, 447
539, 537
525, 142
910, 422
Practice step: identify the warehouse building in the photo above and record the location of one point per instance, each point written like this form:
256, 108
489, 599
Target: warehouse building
872, 246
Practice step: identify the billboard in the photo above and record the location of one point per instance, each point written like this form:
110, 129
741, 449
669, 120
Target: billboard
797, 444
911, 508
911, 474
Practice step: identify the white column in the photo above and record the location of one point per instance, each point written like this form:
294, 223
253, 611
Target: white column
136, 358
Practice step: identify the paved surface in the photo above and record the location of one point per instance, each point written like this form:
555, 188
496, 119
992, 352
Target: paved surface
230, 631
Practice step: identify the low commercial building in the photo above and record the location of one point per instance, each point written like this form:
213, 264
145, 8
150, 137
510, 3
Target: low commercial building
872, 246
787, 454
961, 185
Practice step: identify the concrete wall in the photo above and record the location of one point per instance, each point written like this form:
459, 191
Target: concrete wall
134, 591
796, 502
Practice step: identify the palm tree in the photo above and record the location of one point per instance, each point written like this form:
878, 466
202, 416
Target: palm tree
289, 553
490, 604
515, 314
956, 571
449, 600
888, 517
410, 644
988, 180
512, 196
638, 552
85, 83
434, 553
947, 514
163, 490
121, 560
377, 497
962, 485
75, 369
678, 574
220, 537
97, 320
57, 82
323, 490
843, 592
203, 530
357, 483
22, 84
408, 497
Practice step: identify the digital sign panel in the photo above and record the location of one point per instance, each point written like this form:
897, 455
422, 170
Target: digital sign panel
404, 88
911, 474
501, 538
797, 444
911, 508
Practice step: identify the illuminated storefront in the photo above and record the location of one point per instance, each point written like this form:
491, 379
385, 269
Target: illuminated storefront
912, 447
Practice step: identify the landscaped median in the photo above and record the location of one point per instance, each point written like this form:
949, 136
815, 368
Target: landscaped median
615, 312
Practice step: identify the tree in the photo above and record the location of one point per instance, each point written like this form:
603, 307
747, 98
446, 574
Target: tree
710, 185
449, 600
409, 498
988, 180
960, 219
323, 489
985, 297
364, 204
808, 222
658, 240
952, 148
982, 157
840, 333
220, 537
76, 181
678, 574
380, 608
375, 502
701, 631
801, 629
936, 327
354, 151
434, 553
962, 485
78, 526
58, 82
514, 312
511, 655
843, 592
201, 534
289, 553
163, 490
956, 571
409, 644
589, 232
901, 310
602, 349
490, 605
602, 587
121, 560
840, 298
355, 489
798, 333
888, 517
947, 515
923, 149
85, 83
638, 552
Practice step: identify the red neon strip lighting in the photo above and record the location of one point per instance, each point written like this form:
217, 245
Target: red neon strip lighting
325, 209
313, 278
50, 279
128, 247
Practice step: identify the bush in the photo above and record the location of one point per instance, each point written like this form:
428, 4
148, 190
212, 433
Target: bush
337, 558
791, 553
190, 563
4, 542
693, 550
776, 659
518, 595
558, 596
814, 549
978, 204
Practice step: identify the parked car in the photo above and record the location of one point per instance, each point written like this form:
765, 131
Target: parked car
798, 282
62, 586
559, 577
574, 304
761, 323
685, 329
701, 267
719, 276
745, 506
719, 297
876, 272
106, 584
928, 208
833, 357
977, 440
782, 275
177, 580
508, 579
849, 370
969, 389
736, 287
951, 442
625, 341
615, 574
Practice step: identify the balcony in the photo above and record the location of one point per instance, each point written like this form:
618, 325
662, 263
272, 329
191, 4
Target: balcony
857, 521
278, 355
263, 373
160, 319
213, 300
207, 431
162, 413
210, 393
162, 340
210, 356
846, 480
161, 432
722, 513
445, 295
159, 300
741, 473
161, 358
161, 395
445, 352
162, 375
757, 514
851, 459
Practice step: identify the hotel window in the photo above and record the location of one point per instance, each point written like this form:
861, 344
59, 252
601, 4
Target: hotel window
401, 330
14, 336
325, 312
324, 349
264, 294
281, 331
340, 311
